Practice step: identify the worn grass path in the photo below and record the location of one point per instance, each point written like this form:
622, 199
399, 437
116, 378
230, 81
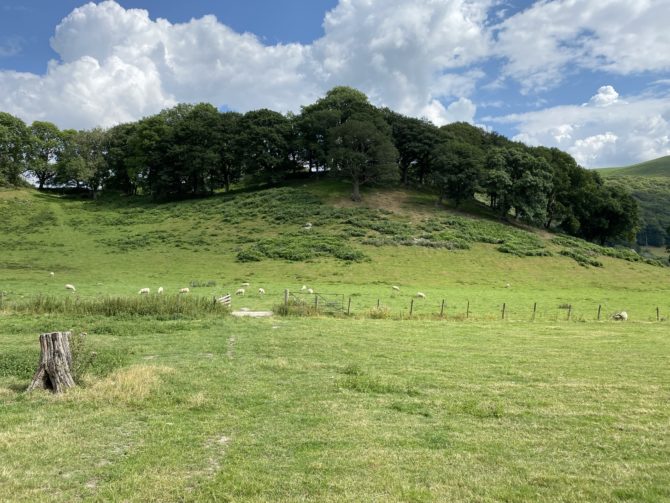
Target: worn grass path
343, 410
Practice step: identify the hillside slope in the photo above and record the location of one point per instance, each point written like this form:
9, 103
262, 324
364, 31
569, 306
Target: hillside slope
116, 246
655, 167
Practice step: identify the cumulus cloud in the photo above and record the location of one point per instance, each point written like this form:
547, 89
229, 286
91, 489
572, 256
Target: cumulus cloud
118, 64
621, 133
552, 39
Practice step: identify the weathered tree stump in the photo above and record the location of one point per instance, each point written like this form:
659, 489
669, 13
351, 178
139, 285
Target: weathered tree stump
54, 371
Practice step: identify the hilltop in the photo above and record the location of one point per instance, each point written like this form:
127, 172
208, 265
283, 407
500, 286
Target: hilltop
654, 168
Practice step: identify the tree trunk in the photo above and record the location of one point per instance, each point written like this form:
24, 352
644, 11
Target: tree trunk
356, 193
54, 371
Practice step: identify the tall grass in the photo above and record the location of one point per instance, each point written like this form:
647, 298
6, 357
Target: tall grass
169, 306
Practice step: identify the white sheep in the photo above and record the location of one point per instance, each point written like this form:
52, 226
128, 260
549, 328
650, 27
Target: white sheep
420, 295
303, 288
307, 226
261, 291
144, 291
396, 288
621, 316
240, 291
70, 287
52, 274
245, 285
507, 285
160, 290
310, 291
184, 290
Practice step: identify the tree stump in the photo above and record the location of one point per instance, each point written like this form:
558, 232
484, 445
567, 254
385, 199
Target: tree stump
54, 371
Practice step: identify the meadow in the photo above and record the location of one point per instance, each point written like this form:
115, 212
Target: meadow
182, 402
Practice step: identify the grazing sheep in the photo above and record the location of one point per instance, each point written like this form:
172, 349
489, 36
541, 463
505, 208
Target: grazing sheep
70, 287
307, 226
310, 291
160, 290
261, 291
420, 295
396, 288
144, 291
52, 274
245, 285
303, 288
184, 290
239, 291
507, 285
621, 316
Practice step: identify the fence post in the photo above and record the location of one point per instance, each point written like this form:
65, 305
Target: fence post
503, 310
349, 307
534, 310
569, 311
599, 309
658, 315
411, 308
377, 303
467, 311
442, 310
286, 296
316, 303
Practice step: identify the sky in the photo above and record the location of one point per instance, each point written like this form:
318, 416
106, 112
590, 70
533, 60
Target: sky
591, 77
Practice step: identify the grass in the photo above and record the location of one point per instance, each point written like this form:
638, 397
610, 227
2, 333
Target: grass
655, 167
310, 410
183, 403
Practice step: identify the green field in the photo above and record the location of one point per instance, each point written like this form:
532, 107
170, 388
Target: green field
201, 406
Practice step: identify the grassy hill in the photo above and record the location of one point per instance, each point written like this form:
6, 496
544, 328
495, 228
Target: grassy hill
655, 168
649, 183
194, 405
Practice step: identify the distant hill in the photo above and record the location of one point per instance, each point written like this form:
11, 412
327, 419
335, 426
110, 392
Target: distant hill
655, 167
649, 183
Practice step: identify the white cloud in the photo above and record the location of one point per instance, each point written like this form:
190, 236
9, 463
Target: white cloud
553, 39
118, 64
605, 96
623, 132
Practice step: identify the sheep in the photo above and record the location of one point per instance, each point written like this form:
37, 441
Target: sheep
261, 291
144, 291
507, 285
310, 291
307, 226
160, 290
52, 274
184, 290
303, 288
70, 287
621, 316
240, 291
420, 295
245, 285
395, 288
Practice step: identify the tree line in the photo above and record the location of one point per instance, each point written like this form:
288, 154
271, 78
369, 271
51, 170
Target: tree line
192, 150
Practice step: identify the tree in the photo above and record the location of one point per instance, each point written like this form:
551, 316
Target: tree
606, 214
14, 145
230, 157
456, 170
264, 139
415, 140
46, 144
361, 151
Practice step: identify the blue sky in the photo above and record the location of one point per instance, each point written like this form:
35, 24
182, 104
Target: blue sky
587, 76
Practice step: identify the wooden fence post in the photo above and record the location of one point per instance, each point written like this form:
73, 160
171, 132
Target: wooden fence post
411, 308
349, 307
534, 310
599, 309
503, 310
467, 311
658, 315
442, 310
569, 311
286, 296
